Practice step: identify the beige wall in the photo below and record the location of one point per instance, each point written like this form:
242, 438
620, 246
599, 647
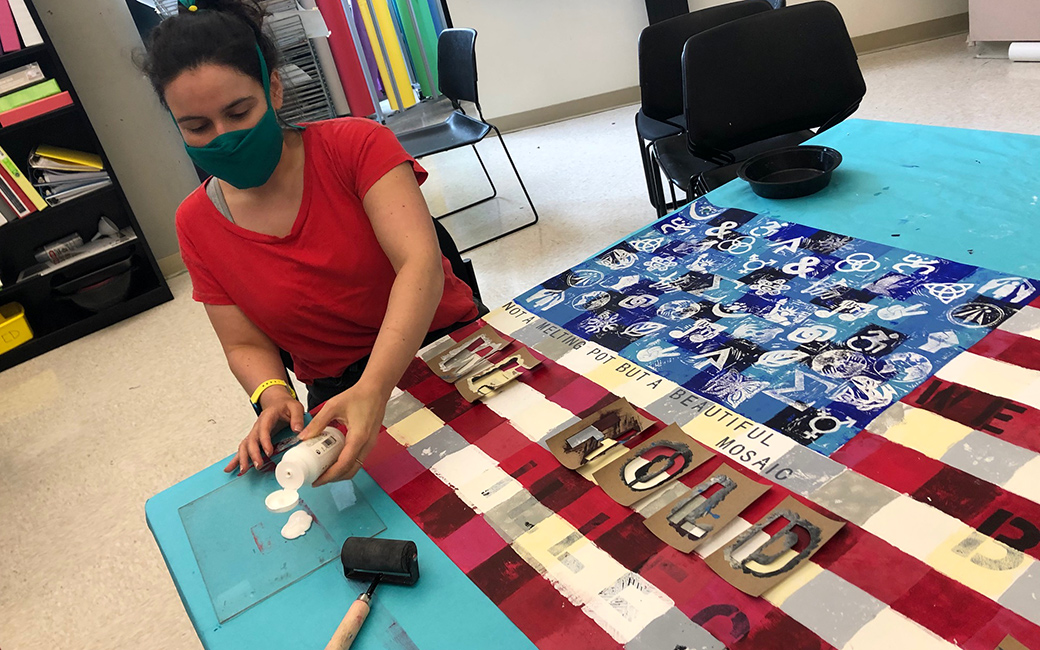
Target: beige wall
95, 39
538, 53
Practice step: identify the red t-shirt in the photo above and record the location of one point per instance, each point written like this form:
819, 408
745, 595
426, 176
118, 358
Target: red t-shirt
321, 292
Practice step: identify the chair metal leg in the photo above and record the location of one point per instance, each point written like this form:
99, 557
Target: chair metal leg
653, 179
522, 187
494, 190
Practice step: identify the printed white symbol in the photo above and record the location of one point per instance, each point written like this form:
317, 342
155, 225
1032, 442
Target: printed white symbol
947, 292
722, 230
678, 309
732, 310
736, 245
865, 393
803, 267
716, 282
1003, 288
677, 225
584, 277
759, 333
810, 333
825, 423
976, 315
669, 283
897, 311
660, 263
546, 299
904, 367
643, 328
858, 262
847, 310
788, 313
788, 245
687, 247
637, 301
703, 264
647, 244
938, 341
718, 358
768, 229
796, 394
874, 341
623, 283
617, 259
913, 263
830, 243
890, 284
755, 263
702, 210
655, 352
839, 364
767, 287
701, 331
780, 358
827, 289
591, 301
601, 323
734, 388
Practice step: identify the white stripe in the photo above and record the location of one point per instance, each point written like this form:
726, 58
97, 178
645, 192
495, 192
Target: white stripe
994, 377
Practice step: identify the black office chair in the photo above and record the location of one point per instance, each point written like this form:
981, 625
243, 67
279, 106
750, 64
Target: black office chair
760, 83
457, 69
660, 49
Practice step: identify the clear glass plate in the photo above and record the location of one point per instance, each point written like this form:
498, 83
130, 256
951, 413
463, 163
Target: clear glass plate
238, 544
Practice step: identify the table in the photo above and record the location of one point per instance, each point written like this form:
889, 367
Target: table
939, 486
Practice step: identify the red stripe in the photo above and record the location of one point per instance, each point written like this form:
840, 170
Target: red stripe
1006, 419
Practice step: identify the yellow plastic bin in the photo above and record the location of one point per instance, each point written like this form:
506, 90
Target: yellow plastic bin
14, 330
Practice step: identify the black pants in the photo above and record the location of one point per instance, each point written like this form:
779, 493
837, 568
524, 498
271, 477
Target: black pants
321, 390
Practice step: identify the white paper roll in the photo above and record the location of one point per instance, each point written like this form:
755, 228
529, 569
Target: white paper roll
1024, 52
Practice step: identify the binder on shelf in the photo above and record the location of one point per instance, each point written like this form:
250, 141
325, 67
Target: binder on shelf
27, 28
12, 198
29, 94
20, 181
26, 75
58, 158
57, 196
8, 29
35, 109
62, 178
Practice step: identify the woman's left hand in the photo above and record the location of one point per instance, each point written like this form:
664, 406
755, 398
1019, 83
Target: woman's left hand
360, 409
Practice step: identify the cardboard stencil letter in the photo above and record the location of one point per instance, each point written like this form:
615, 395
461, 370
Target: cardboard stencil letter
469, 355
653, 464
486, 381
692, 518
754, 562
594, 435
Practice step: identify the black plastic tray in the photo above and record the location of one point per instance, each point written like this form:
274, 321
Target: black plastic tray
790, 172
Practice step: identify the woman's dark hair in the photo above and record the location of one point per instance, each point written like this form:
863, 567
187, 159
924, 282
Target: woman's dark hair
224, 32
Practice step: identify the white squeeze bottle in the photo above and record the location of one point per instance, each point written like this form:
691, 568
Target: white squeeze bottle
305, 462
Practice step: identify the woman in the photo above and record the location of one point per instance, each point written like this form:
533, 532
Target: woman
314, 240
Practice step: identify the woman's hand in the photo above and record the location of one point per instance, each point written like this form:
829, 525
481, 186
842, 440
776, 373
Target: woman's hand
360, 409
280, 408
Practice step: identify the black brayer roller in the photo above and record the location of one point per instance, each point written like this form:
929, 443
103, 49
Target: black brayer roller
380, 560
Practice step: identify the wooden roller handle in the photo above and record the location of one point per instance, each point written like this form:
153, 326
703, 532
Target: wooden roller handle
350, 625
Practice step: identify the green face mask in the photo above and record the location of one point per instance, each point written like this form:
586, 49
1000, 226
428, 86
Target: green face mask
247, 157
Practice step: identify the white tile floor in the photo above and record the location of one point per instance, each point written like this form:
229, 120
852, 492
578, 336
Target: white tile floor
89, 431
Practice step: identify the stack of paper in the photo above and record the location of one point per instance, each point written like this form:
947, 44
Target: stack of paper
63, 174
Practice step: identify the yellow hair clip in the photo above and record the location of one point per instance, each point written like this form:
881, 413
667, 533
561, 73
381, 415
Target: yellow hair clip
193, 8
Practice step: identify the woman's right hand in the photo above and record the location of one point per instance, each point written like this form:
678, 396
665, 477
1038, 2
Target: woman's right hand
279, 408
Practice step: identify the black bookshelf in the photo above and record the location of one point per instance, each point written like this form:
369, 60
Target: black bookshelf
55, 320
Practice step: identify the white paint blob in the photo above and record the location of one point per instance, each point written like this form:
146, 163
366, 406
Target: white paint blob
298, 524
282, 500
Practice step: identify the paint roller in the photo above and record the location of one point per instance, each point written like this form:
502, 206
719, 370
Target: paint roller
392, 561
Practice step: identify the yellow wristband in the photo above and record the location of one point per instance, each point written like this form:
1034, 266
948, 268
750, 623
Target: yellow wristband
255, 399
